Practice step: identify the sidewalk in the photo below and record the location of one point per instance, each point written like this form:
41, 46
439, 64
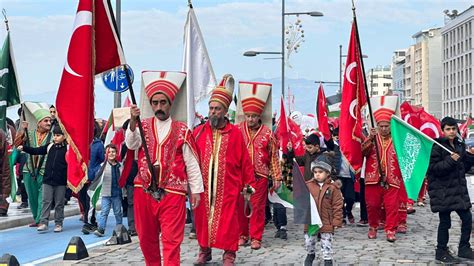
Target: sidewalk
20, 217
351, 246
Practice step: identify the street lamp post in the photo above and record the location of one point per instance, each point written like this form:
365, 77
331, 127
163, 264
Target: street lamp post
282, 53
340, 66
118, 20
283, 14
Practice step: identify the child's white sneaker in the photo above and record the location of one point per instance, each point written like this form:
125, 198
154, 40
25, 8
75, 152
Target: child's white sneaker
58, 228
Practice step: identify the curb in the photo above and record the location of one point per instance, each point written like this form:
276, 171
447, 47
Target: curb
25, 220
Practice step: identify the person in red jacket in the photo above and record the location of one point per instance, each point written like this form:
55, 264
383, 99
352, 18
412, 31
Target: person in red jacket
383, 178
175, 161
226, 171
263, 150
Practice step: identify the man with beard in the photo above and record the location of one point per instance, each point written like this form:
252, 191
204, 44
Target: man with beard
263, 150
173, 154
34, 168
226, 170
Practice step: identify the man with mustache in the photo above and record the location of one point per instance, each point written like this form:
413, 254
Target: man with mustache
263, 150
226, 170
382, 186
34, 169
175, 163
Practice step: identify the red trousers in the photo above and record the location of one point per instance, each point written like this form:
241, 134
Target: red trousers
152, 218
403, 202
257, 220
376, 197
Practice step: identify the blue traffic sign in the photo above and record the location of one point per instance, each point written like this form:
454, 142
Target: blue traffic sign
116, 80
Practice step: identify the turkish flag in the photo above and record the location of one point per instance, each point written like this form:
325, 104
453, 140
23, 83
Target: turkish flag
420, 119
288, 131
94, 47
281, 130
353, 100
464, 128
322, 112
296, 137
127, 102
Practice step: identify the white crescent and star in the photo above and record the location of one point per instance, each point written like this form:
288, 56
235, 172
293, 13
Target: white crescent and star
83, 18
3, 72
349, 70
407, 117
352, 107
429, 125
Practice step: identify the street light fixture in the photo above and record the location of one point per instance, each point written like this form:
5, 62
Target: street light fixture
283, 14
312, 14
255, 53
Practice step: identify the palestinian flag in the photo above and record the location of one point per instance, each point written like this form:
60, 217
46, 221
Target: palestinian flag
334, 105
282, 195
305, 209
95, 187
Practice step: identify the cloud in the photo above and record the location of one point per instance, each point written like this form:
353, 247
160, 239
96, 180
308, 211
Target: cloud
152, 35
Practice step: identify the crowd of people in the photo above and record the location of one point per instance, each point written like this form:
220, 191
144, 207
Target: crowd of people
225, 170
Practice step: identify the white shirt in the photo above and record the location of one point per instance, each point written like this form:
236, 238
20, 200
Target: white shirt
134, 141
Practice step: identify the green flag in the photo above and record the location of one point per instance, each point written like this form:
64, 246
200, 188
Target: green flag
9, 94
413, 150
14, 184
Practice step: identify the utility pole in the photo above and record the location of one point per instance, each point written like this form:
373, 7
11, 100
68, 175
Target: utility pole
340, 68
117, 95
283, 48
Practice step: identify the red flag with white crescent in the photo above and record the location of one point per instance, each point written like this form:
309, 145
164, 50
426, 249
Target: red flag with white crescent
281, 130
94, 47
420, 119
353, 100
288, 131
322, 112
464, 128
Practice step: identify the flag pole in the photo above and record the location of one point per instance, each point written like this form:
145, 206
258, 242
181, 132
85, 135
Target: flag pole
27, 136
421, 133
4, 12
156, 192
362, 64
359, 49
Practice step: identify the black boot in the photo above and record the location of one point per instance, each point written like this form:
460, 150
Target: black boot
278, 233
309, 260
443, 255
466, 253
283, 234
327, 262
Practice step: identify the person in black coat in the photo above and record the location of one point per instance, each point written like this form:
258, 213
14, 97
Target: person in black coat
448, 190
54, 179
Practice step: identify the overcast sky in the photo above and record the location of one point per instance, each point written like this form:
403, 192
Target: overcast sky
152, 35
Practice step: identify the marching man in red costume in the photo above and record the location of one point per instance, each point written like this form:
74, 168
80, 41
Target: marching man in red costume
263, 150
226, 171
175, 162
382, 189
